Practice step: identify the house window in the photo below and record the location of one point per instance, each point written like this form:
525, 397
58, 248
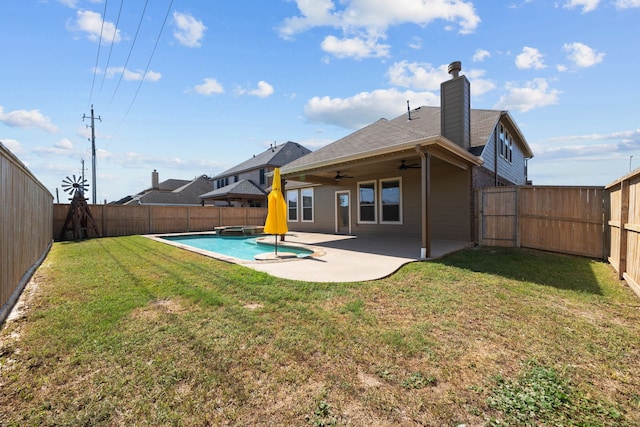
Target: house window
502, 142
367, 202
292, 205
391, 196
510, 150
236, 178
307, 204
262, 177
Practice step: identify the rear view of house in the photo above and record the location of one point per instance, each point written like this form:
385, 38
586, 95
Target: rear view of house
411, 176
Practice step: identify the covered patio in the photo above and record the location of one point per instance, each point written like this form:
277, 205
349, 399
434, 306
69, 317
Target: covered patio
352, 258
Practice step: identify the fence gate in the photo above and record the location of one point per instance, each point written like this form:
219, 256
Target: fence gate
552, 218
498, 216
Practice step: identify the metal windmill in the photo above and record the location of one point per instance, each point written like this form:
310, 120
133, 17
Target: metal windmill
79, 216
72, 185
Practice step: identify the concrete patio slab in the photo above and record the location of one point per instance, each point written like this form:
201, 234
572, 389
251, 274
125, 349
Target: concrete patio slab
351, 258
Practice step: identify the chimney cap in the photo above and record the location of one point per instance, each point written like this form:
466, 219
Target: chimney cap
454, 68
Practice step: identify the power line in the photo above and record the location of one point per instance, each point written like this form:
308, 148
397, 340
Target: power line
115, 33
150, 58
130, 50
95, 69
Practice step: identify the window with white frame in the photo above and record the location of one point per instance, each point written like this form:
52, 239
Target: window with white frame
391, 198
367, 202
307, 204
292, 205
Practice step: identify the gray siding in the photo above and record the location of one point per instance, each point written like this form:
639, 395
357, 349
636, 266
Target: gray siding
455, 114
514, 171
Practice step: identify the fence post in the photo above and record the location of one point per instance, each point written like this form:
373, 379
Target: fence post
624, 219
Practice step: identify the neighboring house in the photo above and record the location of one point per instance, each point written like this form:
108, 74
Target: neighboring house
411, 176
170, 192
246, 184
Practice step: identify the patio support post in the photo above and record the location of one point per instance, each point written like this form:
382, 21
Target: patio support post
425, 169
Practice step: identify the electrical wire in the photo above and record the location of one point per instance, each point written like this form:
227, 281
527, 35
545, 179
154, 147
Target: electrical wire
150, 58
95, 69
124, 68
115, 33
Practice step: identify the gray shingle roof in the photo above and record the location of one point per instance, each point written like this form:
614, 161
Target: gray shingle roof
424, 123
275, 157
242, 188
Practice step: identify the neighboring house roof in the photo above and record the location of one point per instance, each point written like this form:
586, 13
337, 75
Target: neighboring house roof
275, 156
242, 188
171, 192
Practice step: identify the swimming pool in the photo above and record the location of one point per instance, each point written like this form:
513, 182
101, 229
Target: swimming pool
244, 248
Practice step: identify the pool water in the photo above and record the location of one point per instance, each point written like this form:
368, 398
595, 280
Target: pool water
245, 248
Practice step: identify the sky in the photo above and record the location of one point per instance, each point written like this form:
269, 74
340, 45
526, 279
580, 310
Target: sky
193, 87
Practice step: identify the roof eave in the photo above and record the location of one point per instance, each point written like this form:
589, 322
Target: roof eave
409, 145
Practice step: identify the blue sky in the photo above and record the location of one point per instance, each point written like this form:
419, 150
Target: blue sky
191, 87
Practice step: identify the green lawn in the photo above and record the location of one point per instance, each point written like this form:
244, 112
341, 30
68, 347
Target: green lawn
128, 331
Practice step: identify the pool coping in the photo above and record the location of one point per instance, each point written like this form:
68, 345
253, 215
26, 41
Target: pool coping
347, 258
266, 257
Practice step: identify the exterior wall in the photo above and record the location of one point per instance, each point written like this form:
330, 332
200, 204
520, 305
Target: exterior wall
510, 173
251, 175
450, 201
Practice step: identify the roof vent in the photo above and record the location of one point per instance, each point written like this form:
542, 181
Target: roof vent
454, 68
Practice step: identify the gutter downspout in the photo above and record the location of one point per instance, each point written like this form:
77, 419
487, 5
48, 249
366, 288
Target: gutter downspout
425, 172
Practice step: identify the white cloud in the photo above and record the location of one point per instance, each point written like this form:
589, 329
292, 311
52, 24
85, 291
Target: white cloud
589, 145
374, 17
626, 4
480, 55
530, 58
24, 119
582, 55
424, 76
189, 30
129, 75
14, 146
417, 75
64, 144
263, 90
92, 24
587, 5
210, 86
479, 85
364, 108
534, 94
355, 47
415, 43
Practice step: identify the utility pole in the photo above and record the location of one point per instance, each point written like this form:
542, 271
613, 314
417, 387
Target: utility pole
93, 153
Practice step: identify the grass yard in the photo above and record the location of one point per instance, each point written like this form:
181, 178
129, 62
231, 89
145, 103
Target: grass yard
127, 331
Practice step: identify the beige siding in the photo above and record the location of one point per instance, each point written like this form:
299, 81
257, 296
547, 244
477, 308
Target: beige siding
450, 213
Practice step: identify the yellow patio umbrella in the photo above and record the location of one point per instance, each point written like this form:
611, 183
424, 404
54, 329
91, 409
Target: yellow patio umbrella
276, 222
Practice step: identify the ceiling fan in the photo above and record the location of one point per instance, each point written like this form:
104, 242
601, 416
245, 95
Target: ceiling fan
404, 166
339, 177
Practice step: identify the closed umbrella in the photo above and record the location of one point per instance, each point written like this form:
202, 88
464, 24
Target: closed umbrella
277, 210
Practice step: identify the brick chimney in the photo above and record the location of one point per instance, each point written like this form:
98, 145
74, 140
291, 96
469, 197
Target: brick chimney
455, 107
155, 180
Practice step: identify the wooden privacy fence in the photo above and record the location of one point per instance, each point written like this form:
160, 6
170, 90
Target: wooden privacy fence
125, 220
624, 224
26, 233
560, 219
